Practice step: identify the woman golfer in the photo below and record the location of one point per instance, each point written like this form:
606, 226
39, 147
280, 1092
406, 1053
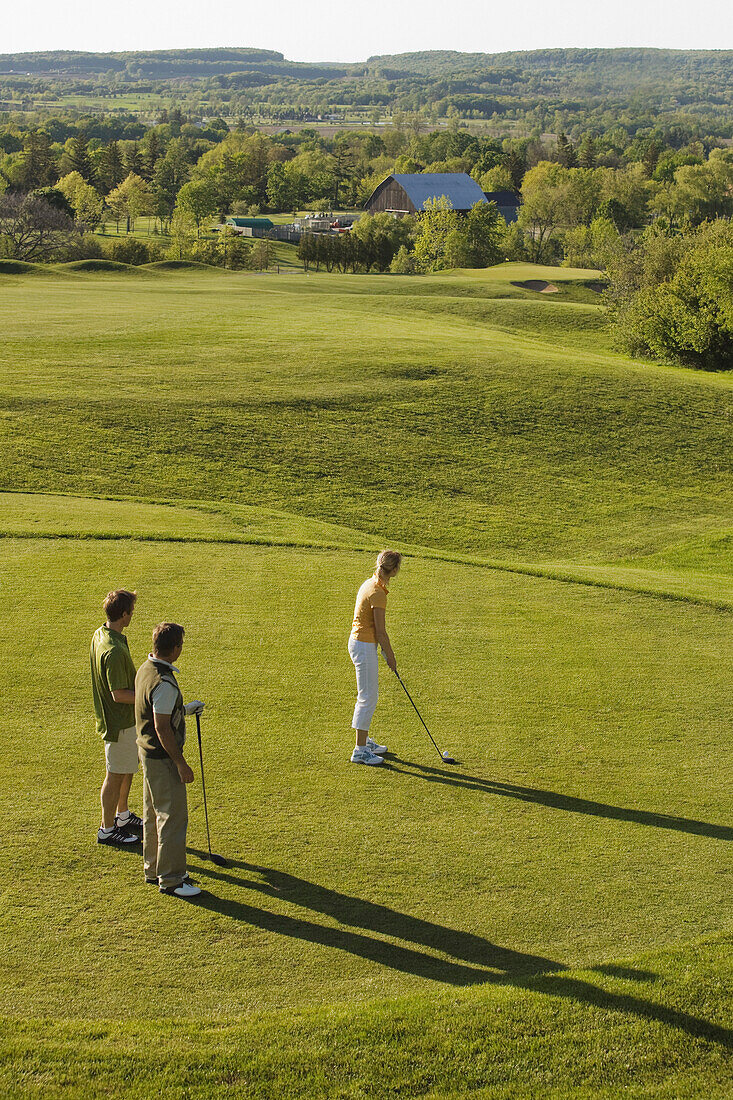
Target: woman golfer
368, 631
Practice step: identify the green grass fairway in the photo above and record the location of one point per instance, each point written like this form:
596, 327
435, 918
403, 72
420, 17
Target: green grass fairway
310, 394
551, 917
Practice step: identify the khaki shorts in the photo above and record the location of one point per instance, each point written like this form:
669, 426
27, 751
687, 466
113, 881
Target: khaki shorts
121, 755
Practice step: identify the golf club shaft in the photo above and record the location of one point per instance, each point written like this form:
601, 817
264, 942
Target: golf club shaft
203, 781
417, 712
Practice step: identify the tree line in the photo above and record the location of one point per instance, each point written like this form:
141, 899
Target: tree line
542, 89
601, 201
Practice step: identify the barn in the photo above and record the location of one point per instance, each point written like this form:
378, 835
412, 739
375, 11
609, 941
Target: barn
408, 193
508, 203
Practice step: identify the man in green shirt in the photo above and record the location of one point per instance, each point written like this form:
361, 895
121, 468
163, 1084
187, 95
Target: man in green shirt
113, 690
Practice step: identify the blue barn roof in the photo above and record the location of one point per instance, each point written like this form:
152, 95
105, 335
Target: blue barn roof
462, 191
503, 198
508, 203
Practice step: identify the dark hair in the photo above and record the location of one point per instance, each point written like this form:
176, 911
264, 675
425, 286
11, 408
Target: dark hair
166, 638
116, 603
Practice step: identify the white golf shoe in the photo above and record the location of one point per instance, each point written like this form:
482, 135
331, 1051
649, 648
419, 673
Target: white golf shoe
374, 747
364, 755
185, 890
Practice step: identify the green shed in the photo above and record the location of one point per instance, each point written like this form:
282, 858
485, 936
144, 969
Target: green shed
251, 223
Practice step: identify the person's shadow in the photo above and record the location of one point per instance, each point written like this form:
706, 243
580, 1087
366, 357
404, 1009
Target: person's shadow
474, 959
467, 958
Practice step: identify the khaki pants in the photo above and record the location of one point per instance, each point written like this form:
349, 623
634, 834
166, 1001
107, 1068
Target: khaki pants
165, 819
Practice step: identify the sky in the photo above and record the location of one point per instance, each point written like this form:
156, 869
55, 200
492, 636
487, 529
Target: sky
321, 30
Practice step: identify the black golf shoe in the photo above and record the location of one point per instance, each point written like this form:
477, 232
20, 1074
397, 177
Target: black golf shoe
117, 838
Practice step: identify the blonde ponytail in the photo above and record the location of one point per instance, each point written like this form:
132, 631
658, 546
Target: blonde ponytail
388, 561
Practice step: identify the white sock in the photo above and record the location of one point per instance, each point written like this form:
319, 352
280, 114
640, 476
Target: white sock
109, 829
123, 816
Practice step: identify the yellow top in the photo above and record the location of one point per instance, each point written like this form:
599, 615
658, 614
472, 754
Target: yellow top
371, 594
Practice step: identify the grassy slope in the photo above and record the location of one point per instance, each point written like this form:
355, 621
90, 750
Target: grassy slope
294, 390
657, 1027
577, 777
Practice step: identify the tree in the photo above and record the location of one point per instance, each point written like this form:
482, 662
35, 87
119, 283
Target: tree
484, 233
55, 198
566, 154
31, 229
631, 189
688, 317
150, 154
594, 245
262, 254
183, 235
133, 160
37, 167
83, 199
132, 199
434, 225
587, 153
79, 159
111, 169
239, 166
380, 237
543, 209
456, 249
498, 178
516, 166
234, 250
403, 263
306, 250
344, 167
129, 250
706, 190
280, 190
199, 199
582, 190
171, 172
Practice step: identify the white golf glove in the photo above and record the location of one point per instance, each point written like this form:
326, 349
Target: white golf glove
194, 707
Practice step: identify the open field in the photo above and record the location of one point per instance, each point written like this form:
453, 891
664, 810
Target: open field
550, 918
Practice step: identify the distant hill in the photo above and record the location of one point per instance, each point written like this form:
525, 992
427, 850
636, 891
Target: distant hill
596, 87
158, 63
617, 66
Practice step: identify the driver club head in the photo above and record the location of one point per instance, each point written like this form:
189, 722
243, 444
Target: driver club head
448, 759
218, 860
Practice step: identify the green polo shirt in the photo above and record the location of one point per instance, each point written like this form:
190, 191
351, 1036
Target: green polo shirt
112, 669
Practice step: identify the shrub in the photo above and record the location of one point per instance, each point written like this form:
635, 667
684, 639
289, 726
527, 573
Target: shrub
688, 316
83, 246
207, 252
130, 250
403, 263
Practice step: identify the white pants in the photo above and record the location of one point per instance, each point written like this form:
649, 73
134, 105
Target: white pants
366, 663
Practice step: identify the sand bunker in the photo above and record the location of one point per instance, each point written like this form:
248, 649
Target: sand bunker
539, 285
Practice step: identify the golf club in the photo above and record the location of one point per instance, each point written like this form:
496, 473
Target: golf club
443, 756
218, 860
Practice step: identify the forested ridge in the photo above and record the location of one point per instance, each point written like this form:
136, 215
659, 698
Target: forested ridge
539, 88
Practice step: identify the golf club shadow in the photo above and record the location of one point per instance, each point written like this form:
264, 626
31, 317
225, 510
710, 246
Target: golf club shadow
556, 801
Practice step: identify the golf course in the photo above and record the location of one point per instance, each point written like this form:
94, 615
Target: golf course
551, 916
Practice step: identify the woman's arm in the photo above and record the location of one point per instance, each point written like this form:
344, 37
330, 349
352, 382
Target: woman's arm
380, 629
